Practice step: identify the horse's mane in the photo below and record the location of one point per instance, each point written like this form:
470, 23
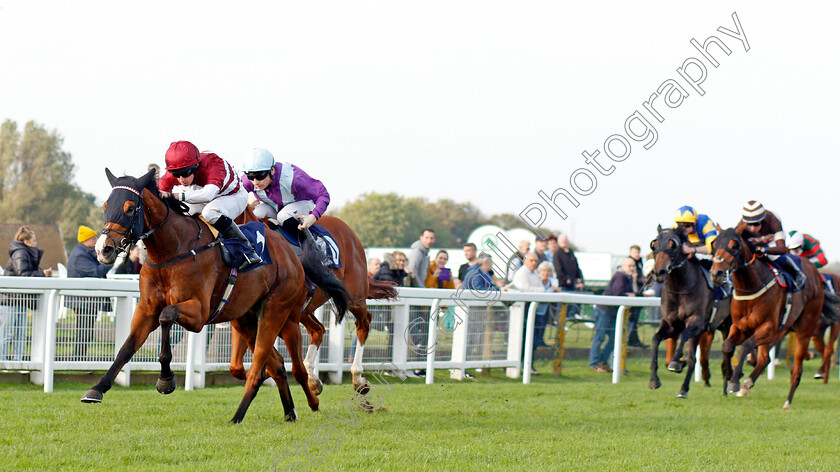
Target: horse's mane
178, 206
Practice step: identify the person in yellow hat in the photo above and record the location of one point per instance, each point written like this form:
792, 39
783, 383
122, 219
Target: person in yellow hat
82, 263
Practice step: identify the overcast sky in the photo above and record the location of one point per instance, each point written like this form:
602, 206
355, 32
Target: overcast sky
481, 101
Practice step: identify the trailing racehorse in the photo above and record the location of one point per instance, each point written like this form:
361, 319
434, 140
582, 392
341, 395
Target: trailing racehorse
183, 282
758, 306
353, 274
687, 302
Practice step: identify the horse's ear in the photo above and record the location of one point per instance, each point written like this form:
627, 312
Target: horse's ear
653, 245
147, 179
739, 230
658, 228
111, 179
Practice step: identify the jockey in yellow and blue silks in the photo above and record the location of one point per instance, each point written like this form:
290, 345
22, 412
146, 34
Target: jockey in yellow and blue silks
700, 230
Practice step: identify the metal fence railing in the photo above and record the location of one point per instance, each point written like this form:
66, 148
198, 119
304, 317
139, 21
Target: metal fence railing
66, 324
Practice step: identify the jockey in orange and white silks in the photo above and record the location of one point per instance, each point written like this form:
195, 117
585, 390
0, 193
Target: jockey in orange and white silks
283, 192
207, 184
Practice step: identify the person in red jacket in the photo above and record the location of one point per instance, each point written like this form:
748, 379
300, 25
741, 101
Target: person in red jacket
207, 184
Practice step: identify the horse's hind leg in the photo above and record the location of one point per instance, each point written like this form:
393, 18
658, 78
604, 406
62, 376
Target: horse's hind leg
802, 341
360, 311
316, 337
237, 354
291, 336
689, 373
735, 337
266, 334
677, 364
168, 317
277, 371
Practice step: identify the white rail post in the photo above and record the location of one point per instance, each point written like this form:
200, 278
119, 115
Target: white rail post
201, 340
619, 341
529, 343
49, 340
771, 367
698, 369
459, 341
37, 349
124, 313
336, 353
431, 345
316, 367
189, 378
400, 348
517, 318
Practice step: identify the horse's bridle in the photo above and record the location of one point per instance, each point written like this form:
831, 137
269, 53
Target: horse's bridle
135, 224
673, 252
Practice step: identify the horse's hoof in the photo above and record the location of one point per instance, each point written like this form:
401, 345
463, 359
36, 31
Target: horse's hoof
291, 416
744, 392
316, 386
707, 384
676, 366
682, 395
92, 396
363, 388
235, 420
654, 384
786, 405
819, 375
165, 386
734, 387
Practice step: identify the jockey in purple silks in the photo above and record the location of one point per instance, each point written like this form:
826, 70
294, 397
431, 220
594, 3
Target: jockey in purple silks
283, 192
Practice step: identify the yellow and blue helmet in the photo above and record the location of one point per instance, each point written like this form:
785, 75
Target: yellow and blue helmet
685, 214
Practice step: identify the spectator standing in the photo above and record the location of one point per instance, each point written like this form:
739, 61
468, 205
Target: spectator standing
527, 279
638, 286
24, 261
478, 279
552, 249
82, 263
550, 285
418, 266
566, 266
470, 253
540, 248
373, 266
133, 262
438, 275
620, 284
393, 269
515, 261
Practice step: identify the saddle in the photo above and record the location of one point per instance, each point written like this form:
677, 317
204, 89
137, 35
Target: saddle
233, 250
783, 278
320, 236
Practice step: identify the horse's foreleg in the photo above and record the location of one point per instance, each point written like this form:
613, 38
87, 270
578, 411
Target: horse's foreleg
705, 348
143, 323
316, 337
690, 336
738, 371
734, 338
676, 365
654, 361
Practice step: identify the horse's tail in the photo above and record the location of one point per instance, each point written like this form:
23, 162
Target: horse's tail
381, 290
831, 308
324, 278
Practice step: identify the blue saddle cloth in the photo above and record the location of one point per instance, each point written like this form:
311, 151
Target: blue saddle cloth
785, 279
319, 232
720, 293
255, 232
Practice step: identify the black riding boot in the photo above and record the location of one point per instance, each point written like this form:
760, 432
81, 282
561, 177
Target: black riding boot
291, 226
230, 230
791, 268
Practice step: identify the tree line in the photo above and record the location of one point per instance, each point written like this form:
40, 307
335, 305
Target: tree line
36, 182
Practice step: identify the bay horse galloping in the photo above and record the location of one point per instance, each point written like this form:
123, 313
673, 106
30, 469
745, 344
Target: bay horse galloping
758, 305
687, 302
353, 274
183, 282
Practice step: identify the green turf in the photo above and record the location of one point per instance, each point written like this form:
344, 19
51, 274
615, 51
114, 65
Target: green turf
579, 421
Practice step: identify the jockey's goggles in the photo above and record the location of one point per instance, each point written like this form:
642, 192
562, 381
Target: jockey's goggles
257, 175
181, 173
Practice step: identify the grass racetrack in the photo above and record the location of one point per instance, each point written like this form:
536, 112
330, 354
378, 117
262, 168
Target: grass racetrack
579, 421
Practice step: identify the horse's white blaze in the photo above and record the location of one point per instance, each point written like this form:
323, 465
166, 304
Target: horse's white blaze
356, 368
309, 362
100, 245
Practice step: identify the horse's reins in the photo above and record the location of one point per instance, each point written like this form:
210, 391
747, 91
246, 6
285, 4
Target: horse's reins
748, 295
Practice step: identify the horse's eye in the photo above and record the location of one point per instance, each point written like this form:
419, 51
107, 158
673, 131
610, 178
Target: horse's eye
129, 211
672, 244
